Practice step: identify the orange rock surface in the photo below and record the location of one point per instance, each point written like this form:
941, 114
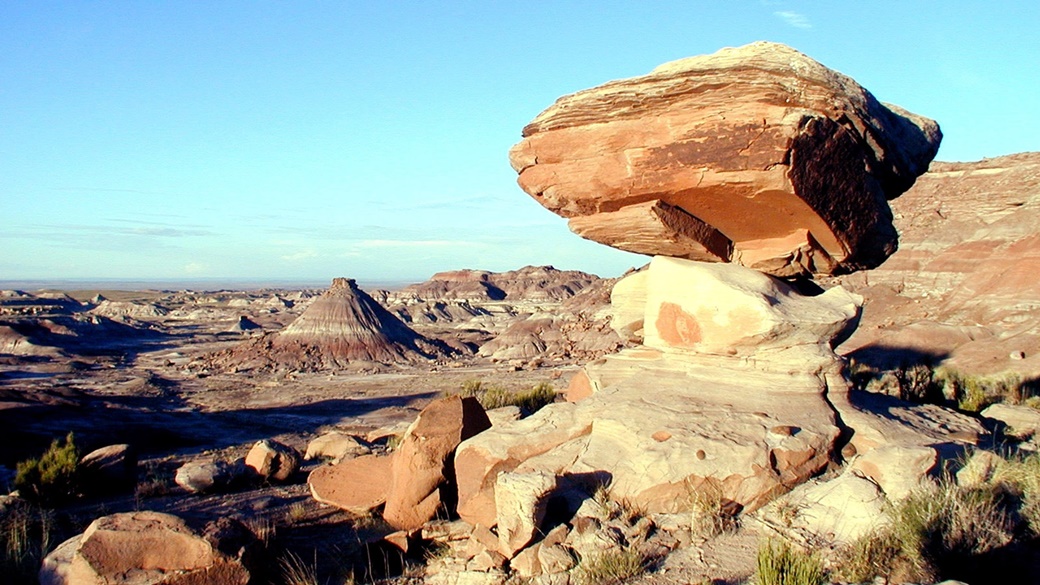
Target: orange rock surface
756, 155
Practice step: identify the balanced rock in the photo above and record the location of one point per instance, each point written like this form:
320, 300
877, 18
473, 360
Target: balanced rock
756, 155
140, 548
422, 463
273, 460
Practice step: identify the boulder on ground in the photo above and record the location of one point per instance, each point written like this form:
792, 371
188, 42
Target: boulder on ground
521, 499
356, 485
756, 155
108, 469
273, 460
838, 511
1022, 422
423, 462
899, 445
206, 475
141, 548
335, 446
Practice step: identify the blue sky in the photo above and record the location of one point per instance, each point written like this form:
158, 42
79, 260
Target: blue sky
307, 140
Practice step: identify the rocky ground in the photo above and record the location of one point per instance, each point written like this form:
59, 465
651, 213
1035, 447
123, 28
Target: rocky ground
138, 367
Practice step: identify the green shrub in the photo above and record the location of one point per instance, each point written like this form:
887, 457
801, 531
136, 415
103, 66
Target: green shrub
780, 564
490, 397
51, 478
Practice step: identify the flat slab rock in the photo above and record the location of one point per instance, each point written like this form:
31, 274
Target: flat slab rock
756, 155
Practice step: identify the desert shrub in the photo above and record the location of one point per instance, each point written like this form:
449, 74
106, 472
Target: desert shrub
778, 563
490, 397
51, 478
937, 531
611, 566
27, 534
295, 571
711, 514
923, 383
1020, 478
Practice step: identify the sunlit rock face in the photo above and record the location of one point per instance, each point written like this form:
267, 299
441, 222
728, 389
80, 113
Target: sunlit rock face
756, 155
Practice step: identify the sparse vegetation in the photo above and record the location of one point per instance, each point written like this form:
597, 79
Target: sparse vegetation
490, 397
923, 383
779, 563
295, 571
27, 534
710, 514
611, 567
51, 478
614, 508
296, 513
940, 531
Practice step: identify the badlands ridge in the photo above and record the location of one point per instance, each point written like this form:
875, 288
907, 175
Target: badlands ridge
793, 224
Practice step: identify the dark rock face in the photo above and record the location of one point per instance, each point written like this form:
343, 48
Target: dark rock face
757, 155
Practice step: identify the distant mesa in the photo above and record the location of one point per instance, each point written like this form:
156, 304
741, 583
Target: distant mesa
531, 283
756, 155
344, 327
115, 309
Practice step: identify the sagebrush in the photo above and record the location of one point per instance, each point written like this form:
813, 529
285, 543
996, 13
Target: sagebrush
50, 478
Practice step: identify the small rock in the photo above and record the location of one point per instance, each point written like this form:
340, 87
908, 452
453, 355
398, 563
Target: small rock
1022, 421
446, 531
204, 475
111, 468
979, 469
273, 460
335, 446
503, 414
555, 559
525, 563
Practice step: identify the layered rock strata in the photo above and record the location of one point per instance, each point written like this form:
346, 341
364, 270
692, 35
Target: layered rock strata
343, 327
756, 155
728, 389
734, 171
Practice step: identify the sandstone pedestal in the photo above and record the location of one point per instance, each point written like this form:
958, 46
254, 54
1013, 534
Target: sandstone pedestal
731, 392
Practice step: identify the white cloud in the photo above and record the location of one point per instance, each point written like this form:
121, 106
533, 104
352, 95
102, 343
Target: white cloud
301, 255
195, 268
409, 243
793, 18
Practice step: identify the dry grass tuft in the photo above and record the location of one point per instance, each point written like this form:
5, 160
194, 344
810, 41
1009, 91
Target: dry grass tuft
778, 563
490, 397
611, 567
